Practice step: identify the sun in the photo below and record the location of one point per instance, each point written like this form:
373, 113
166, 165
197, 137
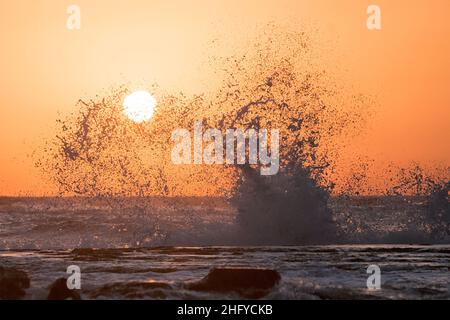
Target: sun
139, 106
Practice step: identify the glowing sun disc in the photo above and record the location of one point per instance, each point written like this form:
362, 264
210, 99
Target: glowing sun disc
139, 106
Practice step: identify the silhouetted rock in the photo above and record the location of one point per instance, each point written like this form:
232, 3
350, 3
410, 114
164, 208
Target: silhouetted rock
59, 291
12, 283
249, 283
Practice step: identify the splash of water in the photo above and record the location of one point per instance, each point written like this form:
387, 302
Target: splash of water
99, 153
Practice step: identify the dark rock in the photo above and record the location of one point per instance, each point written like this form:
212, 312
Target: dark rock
59, 291
12, 283
249, 283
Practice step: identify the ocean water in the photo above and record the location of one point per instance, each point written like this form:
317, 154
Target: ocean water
155, 254
307, 272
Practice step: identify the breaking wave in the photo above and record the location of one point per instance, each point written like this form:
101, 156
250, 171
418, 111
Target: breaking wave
100, 156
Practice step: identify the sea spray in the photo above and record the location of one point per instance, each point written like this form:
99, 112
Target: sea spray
100, 153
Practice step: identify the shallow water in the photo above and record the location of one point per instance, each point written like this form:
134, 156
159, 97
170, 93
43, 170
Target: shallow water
138, 253
307, 272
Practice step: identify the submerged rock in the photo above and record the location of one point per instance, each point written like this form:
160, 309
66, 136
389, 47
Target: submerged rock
13, 283
249, 283
59, 291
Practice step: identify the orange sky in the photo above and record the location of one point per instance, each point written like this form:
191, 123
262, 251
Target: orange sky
45, 68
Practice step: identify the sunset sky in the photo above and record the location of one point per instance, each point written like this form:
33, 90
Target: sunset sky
45, 68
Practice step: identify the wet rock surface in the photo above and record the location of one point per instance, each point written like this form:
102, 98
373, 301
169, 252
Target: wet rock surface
13, 283
248, 283
59, 291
